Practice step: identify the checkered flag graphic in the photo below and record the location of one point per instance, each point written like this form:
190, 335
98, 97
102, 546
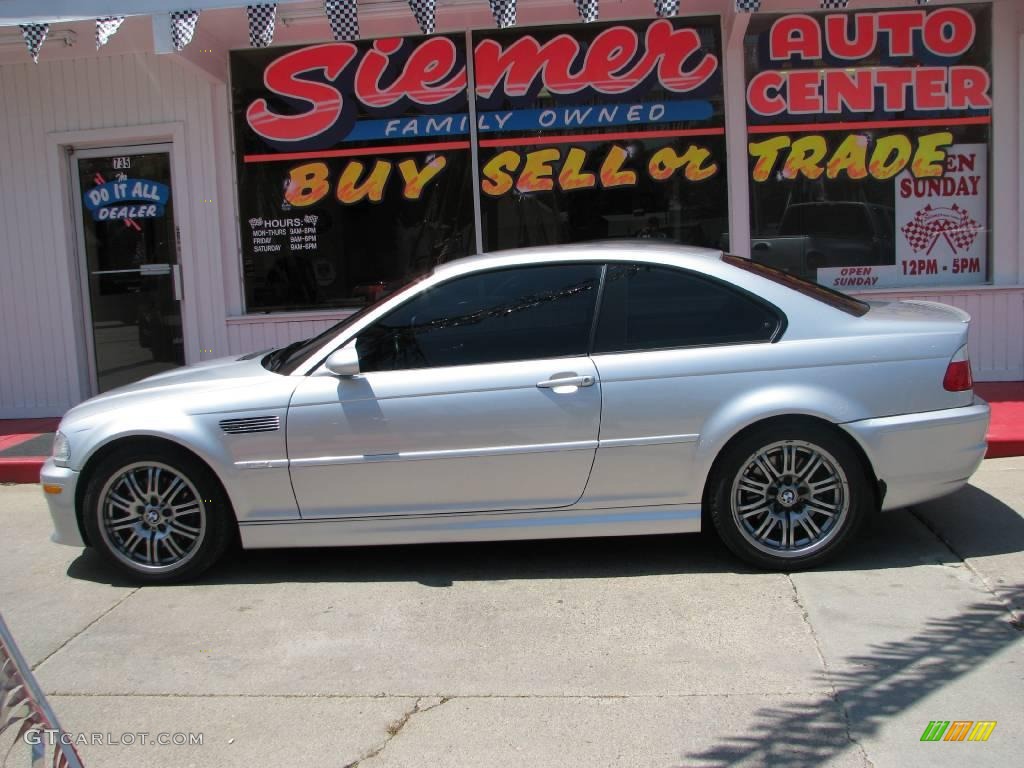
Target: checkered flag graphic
261, 24
183, 27
666, 7
504, 12
344, 18
829, 4
587, 10
34, 35
424, 10
105, 29
930, 225
748, 6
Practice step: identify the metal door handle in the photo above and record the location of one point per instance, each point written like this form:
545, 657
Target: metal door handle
568, 381
176, 278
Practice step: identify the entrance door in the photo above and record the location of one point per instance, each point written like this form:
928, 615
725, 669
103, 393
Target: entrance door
132, 281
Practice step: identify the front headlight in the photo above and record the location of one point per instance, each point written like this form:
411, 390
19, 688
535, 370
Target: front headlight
61, 448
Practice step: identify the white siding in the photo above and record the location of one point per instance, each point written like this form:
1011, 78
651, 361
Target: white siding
40, 330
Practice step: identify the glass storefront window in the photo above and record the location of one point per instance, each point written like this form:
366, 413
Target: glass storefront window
354, 172
354, 160
868, 140
598, 131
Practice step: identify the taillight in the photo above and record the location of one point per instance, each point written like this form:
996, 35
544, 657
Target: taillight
958, 373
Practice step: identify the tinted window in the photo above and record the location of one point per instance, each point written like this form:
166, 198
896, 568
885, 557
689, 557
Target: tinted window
647, 307
834, 299
509, 314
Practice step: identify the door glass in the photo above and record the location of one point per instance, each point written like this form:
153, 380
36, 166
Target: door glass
500, 316
131, 266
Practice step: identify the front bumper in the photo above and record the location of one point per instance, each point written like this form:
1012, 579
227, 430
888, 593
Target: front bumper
922, 456
62, 505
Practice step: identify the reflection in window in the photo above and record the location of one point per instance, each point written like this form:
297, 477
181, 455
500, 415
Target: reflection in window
504, 315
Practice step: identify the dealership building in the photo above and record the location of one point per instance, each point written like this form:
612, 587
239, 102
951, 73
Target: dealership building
183, 181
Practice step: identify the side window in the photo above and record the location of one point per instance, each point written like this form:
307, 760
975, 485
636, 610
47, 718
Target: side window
650, 307
503, 315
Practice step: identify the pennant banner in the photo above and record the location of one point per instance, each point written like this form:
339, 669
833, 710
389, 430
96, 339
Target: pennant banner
666, 7
424, 11
587, 10
105, 29
344, 18
748, 6
183, 27
34, 35
834, 3
261, 24
504, 12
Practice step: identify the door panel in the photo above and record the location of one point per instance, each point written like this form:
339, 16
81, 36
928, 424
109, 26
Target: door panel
131, 272
455, 439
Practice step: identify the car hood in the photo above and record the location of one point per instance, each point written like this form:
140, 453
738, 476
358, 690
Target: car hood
194, 388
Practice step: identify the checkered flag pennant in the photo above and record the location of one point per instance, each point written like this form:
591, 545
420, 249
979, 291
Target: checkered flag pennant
344, 18
748, 6
666, 8
34, 35
183, 27
424, 10
105, 29
930, 224
587, 10
261, 24
830, 4
504, 12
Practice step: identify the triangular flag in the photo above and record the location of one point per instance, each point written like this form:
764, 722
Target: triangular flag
183, 27
829, 4
587, 10
105, 29
666, 7
261, 24
344, 18
504, 12
748, 6
34, 35
424, 10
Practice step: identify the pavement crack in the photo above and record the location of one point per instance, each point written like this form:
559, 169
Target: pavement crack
833, 689
1016, 616
396, 726
86, 628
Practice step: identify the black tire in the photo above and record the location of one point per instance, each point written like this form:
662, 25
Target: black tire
114, 518
755, 522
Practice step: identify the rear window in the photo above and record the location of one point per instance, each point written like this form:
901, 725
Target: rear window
834, 299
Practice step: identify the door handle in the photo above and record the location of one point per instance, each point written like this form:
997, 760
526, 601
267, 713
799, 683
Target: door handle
568, 381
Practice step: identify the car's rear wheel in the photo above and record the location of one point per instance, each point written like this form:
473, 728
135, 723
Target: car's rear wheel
789, 497
156, 513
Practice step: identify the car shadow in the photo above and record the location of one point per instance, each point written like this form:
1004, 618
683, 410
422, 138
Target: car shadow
892, 540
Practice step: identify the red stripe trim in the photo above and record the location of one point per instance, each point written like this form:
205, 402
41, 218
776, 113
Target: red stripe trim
386, 150
582, 137
807, 127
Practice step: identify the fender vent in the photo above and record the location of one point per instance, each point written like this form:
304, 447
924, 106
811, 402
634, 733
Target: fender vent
251, 424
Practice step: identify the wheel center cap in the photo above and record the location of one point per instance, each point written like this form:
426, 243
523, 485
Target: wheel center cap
787, 497
152, 516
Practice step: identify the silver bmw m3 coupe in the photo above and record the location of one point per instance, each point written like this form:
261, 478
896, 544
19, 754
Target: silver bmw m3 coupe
598, 390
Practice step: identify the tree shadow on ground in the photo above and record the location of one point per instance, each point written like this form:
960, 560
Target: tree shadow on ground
897, 539
889, 679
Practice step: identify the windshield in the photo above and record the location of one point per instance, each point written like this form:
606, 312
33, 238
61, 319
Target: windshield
286, 360
834, 299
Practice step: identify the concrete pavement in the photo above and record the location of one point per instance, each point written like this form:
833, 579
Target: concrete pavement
650, 651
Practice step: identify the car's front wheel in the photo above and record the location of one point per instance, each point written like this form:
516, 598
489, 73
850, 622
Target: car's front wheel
789, 497
156, 513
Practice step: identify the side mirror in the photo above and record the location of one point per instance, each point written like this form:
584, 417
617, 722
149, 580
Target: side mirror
344, 361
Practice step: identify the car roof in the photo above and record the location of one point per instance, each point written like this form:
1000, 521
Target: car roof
603, 250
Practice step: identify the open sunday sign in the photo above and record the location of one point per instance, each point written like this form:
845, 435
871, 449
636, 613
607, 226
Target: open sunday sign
127, 199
